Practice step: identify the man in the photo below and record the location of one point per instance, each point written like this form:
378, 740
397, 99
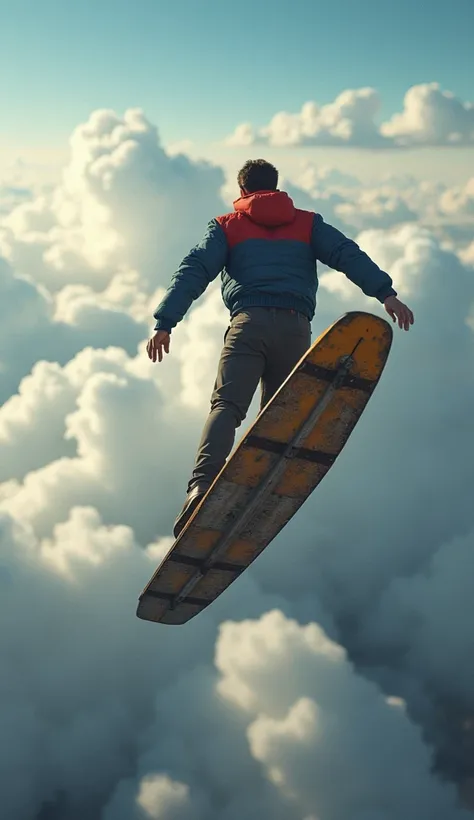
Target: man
267, 251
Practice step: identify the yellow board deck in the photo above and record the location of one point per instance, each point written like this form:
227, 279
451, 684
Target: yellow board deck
277, 465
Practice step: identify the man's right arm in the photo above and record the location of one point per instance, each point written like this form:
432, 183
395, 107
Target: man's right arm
197, 270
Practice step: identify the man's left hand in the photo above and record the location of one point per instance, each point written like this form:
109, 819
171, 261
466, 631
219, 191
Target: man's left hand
398, 311
158, 343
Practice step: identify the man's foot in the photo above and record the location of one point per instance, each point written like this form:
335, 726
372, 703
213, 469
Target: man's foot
193, 499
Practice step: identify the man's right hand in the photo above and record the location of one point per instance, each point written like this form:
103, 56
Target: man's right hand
159, 342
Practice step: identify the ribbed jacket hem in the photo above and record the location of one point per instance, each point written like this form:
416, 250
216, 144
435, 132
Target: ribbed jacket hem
272, 300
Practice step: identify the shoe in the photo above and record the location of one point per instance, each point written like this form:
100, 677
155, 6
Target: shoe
193, 499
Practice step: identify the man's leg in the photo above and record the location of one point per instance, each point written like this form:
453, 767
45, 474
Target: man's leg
241, 366
289, 340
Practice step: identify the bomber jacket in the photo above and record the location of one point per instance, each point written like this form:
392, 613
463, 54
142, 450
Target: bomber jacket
267, 252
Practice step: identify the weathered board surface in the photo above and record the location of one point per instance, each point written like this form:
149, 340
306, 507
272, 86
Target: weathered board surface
283, 457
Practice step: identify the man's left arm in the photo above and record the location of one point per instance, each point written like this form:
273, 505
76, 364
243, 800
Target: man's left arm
339, 252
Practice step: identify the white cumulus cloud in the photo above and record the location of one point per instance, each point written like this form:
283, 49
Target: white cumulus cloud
376, 209
323, 725
459, 201
35, 325
349, 120
122, 203
430, 116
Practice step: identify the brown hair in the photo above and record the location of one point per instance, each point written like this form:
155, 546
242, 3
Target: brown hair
258, 175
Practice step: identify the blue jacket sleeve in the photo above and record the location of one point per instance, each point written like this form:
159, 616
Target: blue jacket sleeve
197, 270
334, 249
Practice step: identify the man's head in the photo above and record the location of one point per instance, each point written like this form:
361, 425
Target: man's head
257, 175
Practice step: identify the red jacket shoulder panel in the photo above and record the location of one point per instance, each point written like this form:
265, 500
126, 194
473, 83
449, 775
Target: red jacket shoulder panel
238, 228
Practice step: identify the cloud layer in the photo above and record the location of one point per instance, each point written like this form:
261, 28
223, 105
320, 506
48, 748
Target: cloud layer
342, 655
430, 116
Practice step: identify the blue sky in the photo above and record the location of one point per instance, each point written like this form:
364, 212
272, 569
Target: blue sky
198, 69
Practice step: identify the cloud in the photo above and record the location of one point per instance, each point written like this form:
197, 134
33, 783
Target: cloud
467, 255
123, 203
109, 418
76, 739
429, 117
162, 798
376, 209
459, 201
12, 196
323, 725
418, 606
87, 259
349, 120
213, 778
32, 421
244, 134
112, 407
35, 325
71, 724
349, 204
321, 201
335, 650
313, 178
394, 199
413, 427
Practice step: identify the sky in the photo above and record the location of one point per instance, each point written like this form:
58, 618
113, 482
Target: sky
344, 654
202, 68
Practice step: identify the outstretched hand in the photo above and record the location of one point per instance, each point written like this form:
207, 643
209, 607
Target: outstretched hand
159, 342
398, 311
